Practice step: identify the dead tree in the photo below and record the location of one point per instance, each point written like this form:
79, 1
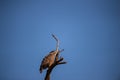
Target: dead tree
51, 60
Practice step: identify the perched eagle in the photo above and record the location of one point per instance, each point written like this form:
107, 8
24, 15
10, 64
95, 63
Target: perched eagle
50, 58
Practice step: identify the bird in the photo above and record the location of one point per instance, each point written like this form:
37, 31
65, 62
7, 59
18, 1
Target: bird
50, 58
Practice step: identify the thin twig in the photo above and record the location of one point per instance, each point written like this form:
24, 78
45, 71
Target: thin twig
57, 45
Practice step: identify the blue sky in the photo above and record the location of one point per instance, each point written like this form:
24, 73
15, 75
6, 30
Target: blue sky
88, 30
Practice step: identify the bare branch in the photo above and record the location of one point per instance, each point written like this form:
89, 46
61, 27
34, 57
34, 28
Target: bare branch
62, 62
57, 45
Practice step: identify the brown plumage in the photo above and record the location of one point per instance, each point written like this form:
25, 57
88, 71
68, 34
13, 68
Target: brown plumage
50, 58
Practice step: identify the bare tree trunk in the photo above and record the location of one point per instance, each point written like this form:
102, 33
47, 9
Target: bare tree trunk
47, 77
57, 62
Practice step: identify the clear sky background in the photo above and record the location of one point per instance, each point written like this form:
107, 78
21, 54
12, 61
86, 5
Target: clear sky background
88, 31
